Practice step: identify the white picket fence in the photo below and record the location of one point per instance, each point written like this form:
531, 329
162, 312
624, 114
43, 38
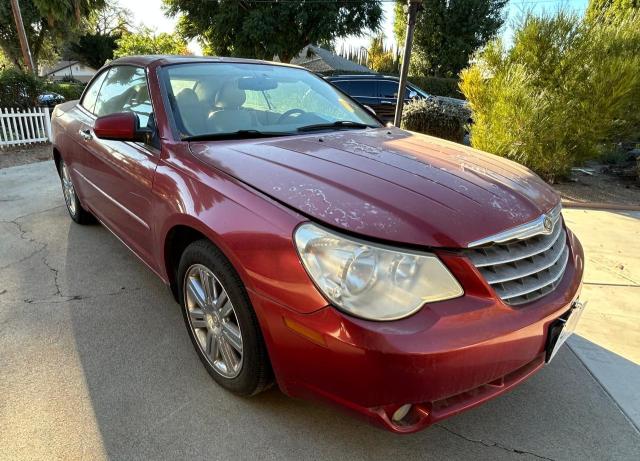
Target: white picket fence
20, 127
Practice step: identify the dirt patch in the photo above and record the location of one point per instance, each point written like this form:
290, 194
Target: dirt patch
600, 187
14, 156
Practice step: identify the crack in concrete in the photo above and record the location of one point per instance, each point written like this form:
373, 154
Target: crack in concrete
23, 232
55, 273
70, 298
32, 214
43, 246
23, 236
492, 444
58, 296
606, 284
23, 259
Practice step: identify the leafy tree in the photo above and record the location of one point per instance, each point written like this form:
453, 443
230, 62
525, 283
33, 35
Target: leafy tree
4, 62
610, 9
564, 88
47, 23
448, 32
93, 49
112, 19
104, 27
381, 59
146, 41
259, 29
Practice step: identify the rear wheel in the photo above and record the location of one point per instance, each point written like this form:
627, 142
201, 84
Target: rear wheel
221, 322
77, 213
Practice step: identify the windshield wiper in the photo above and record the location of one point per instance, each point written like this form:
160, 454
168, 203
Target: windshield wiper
339, 124
240, 134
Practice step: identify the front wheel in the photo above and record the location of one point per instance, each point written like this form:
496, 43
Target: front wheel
221, 322
77, 213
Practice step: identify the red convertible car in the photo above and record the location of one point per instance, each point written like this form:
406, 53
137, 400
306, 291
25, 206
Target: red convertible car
400, 276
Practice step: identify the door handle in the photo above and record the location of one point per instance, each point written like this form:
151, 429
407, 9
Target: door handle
85, 134
388, 103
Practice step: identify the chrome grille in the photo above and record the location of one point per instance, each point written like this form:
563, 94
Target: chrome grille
523, 270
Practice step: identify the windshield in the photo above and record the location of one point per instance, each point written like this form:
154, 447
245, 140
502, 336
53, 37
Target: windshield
224, 98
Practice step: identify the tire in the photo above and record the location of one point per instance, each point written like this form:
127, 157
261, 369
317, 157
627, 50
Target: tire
77, 213
214, 328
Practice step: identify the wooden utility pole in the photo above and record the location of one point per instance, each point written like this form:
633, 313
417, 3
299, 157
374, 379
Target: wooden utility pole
414, 5
24, 44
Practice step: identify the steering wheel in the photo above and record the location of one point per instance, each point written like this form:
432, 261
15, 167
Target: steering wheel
290, 113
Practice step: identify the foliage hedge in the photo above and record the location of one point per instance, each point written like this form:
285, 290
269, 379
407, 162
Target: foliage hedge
70, 91
437, 118
19, 90
438, 86
563, 90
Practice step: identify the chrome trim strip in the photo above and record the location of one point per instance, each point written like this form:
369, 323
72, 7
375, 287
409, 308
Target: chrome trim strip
524, 255
114, 201
524, 231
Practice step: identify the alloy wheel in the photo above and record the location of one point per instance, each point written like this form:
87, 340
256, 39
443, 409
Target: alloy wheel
67, 190
213, 321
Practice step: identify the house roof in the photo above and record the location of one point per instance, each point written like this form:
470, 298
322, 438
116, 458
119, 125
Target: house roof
318, 59
60, 65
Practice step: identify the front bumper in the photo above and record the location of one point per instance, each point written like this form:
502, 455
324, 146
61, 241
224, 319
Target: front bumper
447, 358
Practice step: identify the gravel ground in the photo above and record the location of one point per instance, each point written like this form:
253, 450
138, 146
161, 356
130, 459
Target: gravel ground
14, 156
601, 187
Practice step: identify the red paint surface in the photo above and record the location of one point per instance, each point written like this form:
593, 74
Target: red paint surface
247, 197
120, 126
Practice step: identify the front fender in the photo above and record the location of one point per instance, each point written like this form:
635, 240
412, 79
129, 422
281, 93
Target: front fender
251, 230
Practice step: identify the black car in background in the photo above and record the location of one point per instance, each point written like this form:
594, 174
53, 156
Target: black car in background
50, 99
380, 92
376, 91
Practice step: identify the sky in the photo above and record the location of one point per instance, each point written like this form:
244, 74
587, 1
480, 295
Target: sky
150, 14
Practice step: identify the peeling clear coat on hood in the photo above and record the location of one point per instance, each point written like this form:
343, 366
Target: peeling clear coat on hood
388, 184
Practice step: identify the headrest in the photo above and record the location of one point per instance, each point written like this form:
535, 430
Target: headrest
230, 96
186, 97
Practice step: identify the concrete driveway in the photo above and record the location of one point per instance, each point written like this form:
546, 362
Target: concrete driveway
95, 363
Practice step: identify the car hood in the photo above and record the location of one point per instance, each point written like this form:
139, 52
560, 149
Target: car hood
388, 184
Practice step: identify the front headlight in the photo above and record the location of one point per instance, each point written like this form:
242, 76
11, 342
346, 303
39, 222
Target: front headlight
372, 281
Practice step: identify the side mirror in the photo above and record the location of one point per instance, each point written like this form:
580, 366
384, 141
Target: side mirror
413, 94
122, 126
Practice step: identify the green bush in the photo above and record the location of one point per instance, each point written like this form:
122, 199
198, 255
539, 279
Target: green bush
70, 91
436, 117
564, 88
438, 86
18, 90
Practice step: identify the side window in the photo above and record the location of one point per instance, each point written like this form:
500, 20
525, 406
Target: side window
389, 89
125, 90
364, 88
89, 100
344, 86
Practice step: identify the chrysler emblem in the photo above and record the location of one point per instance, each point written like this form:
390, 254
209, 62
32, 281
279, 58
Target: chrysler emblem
548, 224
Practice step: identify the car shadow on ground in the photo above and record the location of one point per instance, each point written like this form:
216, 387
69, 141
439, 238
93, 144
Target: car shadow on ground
153, 399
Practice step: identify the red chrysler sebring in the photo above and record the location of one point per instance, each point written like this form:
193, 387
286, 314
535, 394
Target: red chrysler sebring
400, 276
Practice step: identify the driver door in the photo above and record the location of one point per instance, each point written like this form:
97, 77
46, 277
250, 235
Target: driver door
120, 174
